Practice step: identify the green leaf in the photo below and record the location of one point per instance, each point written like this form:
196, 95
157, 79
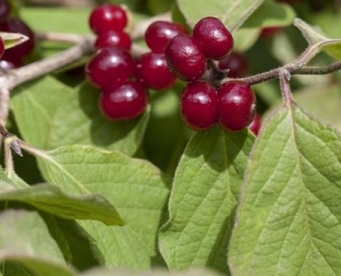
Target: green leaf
77, 243
203, 199
271, 14
320, 42
232, 13
154, 272
49, 20
25, 239
79, 121
52, 200
322, 100
166, 119
288, 219
34, 105
136, 188
57, 233
7, 184
244, 38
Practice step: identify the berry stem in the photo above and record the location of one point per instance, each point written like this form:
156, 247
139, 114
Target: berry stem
292, 69
284, 80
215, 73
64, 37
10, 140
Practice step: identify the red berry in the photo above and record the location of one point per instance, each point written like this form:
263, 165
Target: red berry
152, 69
15, 25
255, 124
113, 38
236, 105
236, 64
214, 37
123, 100
108, 17
108, 65
199, 105
160, 32
5, 10
185, 57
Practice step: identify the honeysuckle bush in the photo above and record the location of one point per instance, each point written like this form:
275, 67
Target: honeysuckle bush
150, 197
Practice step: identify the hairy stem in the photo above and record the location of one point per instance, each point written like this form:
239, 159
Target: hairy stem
293, 70
284, 79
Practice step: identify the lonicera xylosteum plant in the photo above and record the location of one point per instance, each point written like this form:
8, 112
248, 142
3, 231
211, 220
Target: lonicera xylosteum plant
170, 138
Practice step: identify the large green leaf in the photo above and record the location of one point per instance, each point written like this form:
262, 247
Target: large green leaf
232, 13
271, 13
203, 199
25, 239
51, 199
34, 105
79, 121
288, 219
138, 190
323, 100
154, 272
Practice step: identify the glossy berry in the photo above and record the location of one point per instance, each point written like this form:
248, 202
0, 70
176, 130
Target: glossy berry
236, 105
5, 10
17, 53
160, 32
108, 17
214, 37
109, 64
113, 38
199, 105
185, 57
236, 64
123, 100
152, 69
255, 124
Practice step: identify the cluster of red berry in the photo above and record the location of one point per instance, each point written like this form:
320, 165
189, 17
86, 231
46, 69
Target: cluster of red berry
124, 81
14, 57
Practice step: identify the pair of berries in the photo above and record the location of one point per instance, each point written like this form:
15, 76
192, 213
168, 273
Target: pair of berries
108, 22
187, 54
152, 67
232, 105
